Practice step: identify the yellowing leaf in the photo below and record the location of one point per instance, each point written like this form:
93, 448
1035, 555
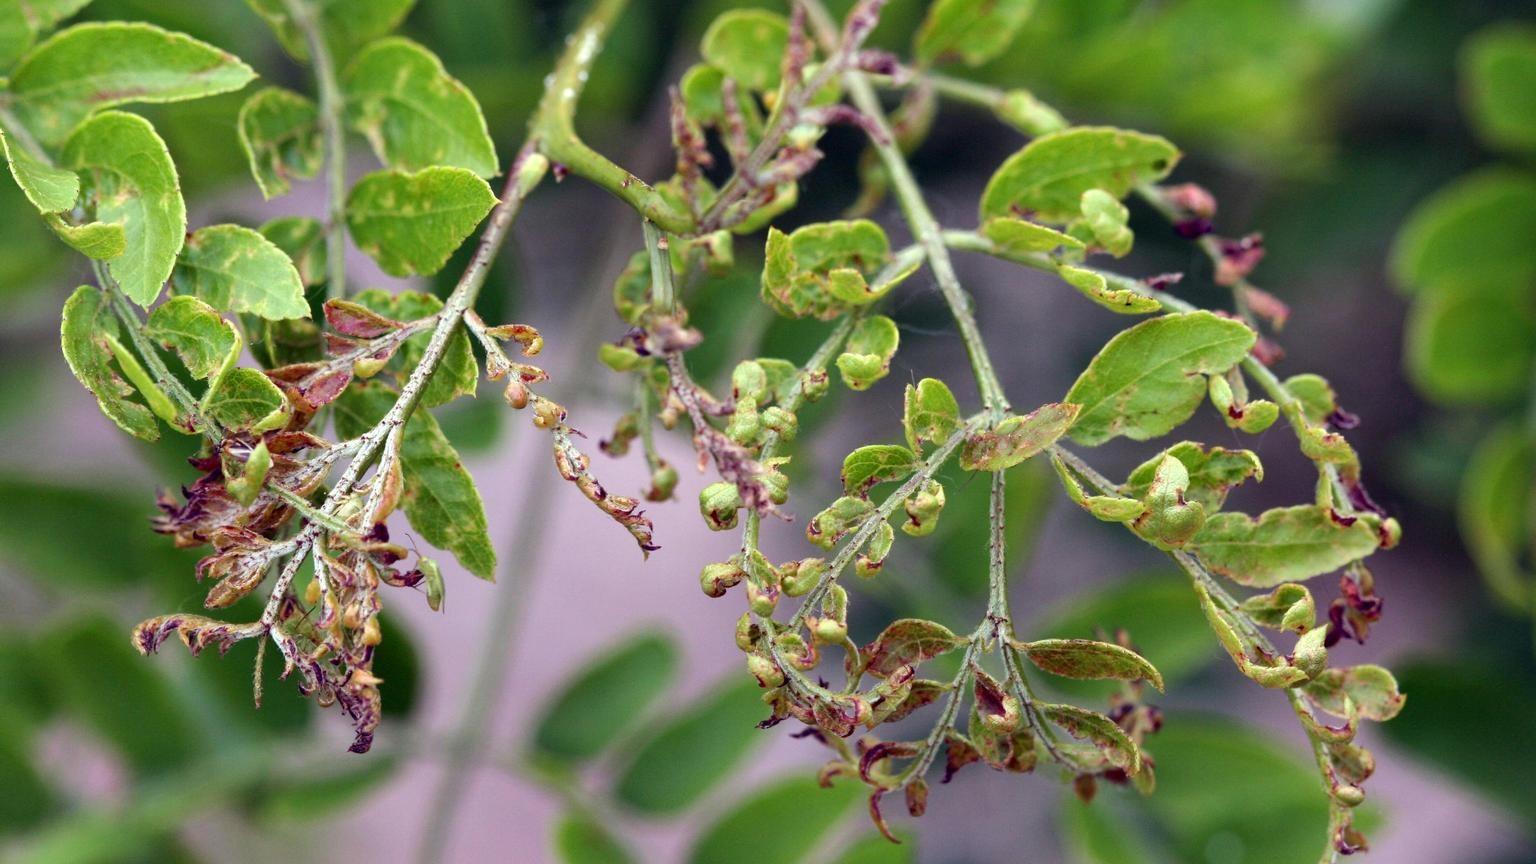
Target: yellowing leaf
88, 324
411, 223
280, 134
1017, 438
1287, 544
100, 64
236, 269
128, 178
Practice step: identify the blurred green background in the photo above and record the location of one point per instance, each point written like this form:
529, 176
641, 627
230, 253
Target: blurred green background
1327, 124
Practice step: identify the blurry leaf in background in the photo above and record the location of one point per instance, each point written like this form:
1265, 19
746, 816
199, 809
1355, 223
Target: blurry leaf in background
606, 698
125, 701
27, 800
397, 661
1160, 614
694, 750
1499, 72
874, 849
44, 539
1225, 793
325, 793
778, 824
1473, 723
1497, 508
960, 556
579, 839
1473, 341
1477, 228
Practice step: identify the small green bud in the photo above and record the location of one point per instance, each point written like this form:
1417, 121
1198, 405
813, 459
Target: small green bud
830, 632
663, 483
782, 422
433, 578
720, 577
815, 385
1221, 395
367, 367
923, 510
619, 358
1349, 795
748, 380
719, 503
762, 599
1320, 445
1258, 416
248, 485
1391, 532
868, 564
745, 427
747, 632
1021, 110
767, 673
799, 577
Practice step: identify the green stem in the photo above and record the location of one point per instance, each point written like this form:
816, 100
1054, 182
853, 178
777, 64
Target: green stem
925, 228
332, 106
554, 128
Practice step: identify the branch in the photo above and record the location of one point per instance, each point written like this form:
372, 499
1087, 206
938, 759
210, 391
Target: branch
332, 105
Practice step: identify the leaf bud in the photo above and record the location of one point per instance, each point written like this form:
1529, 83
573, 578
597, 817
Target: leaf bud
762, 599
720, 577
799, 577
718, 502
1349, 795
619, 358
747, 632
548, 414
923, 509
367, 367
780, 421
767, 673
663, 483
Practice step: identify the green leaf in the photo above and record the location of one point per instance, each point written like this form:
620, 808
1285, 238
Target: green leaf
1494, 512
1366, 690
457, 373
102, 241
1212, 472
413, 112
440, 498
1286, 544
1316, 396
1087, 660
868, 352
580, 839
606, 698
236, 269
874, 464
1018, 239
16, 32
778, 824
1288, 607
931, 413
908, 642
1098, 730
699, 747
1146, 381
823, 269
1093, 286
98, 65
51, 190
1096, 834
280, 134
1017, 438
245, 399
1105, 219
1477, 228
748, 45
88, 324
1472, 341
203, 340
1046, 179
128, 178
1499, 76
347, 24
1159, 613
973, 30
1456, 728
411, 223
120, 696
